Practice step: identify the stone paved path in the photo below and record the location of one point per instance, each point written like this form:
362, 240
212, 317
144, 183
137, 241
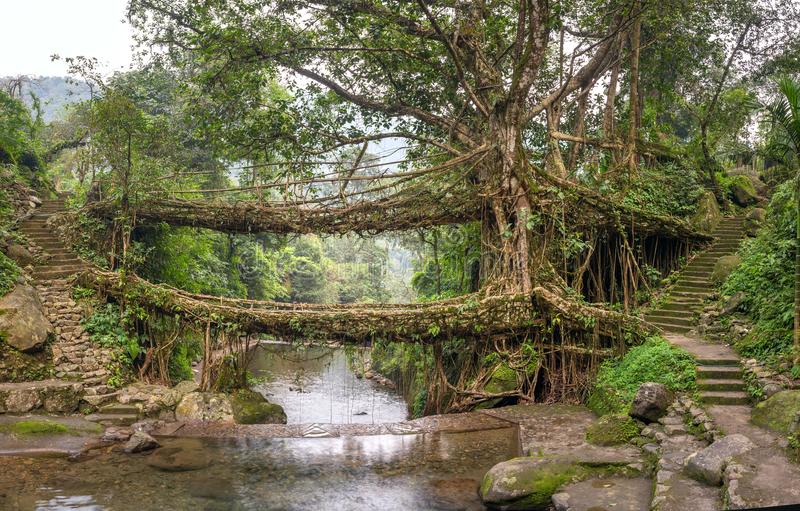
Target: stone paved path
763, 476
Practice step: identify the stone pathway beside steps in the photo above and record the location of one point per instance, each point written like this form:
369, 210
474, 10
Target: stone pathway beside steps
762, 476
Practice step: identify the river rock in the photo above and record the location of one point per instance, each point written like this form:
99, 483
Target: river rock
250, 407
184, 455
525, 483
140, 442
204, 406
651, 402
23, 323
709, 464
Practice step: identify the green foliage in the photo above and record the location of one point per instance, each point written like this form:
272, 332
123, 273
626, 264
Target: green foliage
668, 189
106, 327
9, 271
34, 427
656, 360
766, 276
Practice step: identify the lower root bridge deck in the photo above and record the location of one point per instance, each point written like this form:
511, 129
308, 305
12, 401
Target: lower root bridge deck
471, 316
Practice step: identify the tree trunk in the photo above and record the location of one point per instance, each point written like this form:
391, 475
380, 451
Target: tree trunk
633, 122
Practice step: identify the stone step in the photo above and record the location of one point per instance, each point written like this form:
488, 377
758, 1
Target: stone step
678, 306
723, 362
113, 419
669, 320
689, 293
721, 385
719, 397
682, 312
671, 328
57, 274
691, 284
701, 291
696, 274
718, 373
119, 409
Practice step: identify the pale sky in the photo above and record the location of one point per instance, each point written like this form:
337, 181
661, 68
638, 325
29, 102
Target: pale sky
32, 30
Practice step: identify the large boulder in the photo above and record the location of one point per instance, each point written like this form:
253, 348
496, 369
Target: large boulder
707, 216
204, 406
23, 323
754, 220
181, 455
650, 402
708, 465
250, 407
20, 254
779, 412
723, 268
526, 483
742, 191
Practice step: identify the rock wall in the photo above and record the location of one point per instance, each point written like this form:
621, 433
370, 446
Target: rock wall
75, 356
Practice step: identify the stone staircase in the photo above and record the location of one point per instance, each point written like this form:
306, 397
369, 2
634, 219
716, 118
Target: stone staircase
75, 356
61, 262
694, 284
719, 375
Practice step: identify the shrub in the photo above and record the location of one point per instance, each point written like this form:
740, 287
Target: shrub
9, 271
656, 360
766, 277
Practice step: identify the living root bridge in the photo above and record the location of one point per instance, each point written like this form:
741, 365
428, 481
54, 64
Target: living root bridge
470, 316
375, 216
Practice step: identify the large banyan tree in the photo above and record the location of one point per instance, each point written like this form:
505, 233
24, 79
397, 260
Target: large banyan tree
477, 87
490, 101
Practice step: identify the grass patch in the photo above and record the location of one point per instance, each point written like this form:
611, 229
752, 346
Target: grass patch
34, 427
656, 360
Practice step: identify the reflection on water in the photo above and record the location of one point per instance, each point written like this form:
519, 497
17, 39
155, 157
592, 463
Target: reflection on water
437, 471
316, 384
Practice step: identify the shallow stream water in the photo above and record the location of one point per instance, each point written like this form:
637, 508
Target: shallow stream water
434, 471
420, 471
317, 384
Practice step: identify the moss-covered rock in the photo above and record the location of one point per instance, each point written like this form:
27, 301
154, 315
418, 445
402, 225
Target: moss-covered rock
707, 216
742, 190
612, 430
504, 379
779, 412
754, 219
529, 483
250, 407
723, 268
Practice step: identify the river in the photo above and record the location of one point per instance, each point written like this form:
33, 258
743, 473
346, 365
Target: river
436, 470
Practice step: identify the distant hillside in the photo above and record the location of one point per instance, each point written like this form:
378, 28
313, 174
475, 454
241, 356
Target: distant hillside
54, 92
